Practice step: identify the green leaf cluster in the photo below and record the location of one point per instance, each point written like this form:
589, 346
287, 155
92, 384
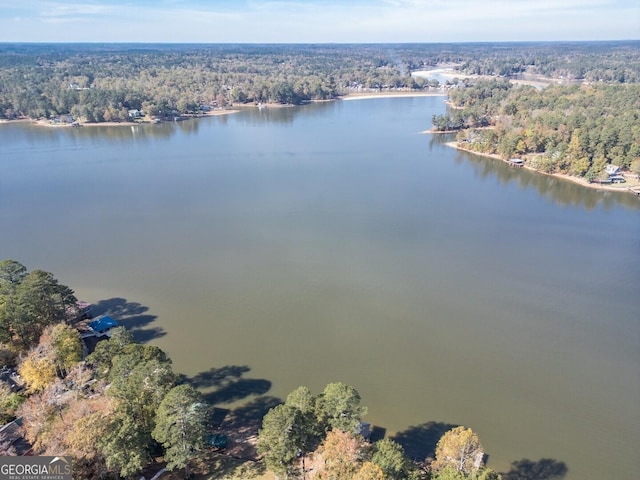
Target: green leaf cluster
140, 379
29, 301
180, 425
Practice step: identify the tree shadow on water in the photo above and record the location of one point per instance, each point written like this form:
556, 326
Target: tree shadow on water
227, 384
377, 433
543, 469
242, 388
216, 377
419, 441
131, 315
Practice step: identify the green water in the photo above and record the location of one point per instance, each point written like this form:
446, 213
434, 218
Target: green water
334, 242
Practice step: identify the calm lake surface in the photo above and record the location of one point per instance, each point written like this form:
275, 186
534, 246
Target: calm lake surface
334, 242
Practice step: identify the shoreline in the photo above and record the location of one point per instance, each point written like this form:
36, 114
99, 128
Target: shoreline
47, 123
562, 176
234, 109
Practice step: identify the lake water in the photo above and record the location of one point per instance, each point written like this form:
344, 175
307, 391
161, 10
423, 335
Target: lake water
334, 242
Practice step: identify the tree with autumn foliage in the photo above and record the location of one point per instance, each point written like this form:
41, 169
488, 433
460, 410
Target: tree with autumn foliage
459, 449
65, 346
59, 350
342, 454
370, 471
38, 369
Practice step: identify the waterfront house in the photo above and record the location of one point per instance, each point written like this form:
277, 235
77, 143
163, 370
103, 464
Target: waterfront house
617, 179
102, 324
612, 170
65, 119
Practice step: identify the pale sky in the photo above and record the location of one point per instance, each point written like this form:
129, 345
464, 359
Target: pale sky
317, 21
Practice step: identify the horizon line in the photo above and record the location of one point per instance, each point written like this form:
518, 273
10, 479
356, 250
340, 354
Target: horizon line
132, 42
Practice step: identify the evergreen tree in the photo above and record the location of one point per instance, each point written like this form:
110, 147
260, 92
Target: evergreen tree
180, 425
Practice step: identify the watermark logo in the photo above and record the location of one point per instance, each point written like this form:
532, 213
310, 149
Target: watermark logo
35, 468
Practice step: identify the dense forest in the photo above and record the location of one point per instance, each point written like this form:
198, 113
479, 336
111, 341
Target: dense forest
572, 129
102, 82
611, 62
121, 408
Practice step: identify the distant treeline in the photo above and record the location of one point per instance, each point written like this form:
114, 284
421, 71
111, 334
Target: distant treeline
563, 129
611, 62
98, 83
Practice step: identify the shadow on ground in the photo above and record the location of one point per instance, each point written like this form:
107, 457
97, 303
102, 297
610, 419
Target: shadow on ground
242, 425
543, 469
131, 315
226, 385
210, 464
250, 415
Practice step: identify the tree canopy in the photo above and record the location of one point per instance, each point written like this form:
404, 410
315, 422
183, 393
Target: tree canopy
29, 302
180, 425
338, 407
390, 457
102, 82
292, 430
574, 129
281, 438
459, 449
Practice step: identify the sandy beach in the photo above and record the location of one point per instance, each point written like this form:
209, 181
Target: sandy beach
632, 182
